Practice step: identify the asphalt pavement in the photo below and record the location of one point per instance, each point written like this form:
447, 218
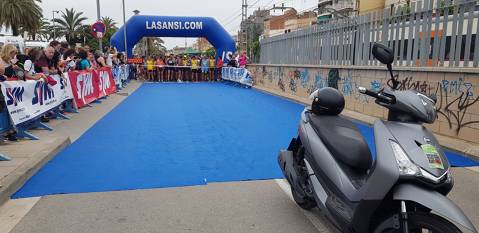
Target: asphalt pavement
253, 206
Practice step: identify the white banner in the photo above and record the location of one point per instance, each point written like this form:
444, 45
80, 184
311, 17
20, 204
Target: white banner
120, 74
238, 75
29, 99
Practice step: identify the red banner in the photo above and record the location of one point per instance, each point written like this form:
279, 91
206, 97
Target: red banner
85, 86
136, 60
106, 83
88, 86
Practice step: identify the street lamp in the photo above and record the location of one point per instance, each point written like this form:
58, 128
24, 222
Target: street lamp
54, 29
100, 42
124, 28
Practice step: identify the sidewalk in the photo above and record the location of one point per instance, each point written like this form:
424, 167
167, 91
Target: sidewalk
467, 148
28, 156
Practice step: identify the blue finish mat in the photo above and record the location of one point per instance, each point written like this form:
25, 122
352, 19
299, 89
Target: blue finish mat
168, 135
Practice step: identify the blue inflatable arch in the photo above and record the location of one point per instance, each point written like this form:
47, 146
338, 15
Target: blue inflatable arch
140, 26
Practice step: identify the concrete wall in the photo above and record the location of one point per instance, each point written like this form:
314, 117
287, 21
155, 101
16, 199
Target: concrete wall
457, 90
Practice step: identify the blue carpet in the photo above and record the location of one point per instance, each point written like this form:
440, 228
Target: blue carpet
168, 135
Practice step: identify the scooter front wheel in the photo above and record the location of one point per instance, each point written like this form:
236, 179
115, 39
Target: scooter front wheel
426, 222
303, 202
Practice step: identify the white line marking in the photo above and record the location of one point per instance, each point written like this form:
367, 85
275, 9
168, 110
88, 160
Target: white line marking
474, 169
13, 211
312, 217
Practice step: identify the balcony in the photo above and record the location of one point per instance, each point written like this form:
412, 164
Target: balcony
323, 3
344, 6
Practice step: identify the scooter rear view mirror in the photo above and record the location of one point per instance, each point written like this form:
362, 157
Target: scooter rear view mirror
383, 54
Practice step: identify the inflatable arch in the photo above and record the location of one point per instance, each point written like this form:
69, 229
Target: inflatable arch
140, 26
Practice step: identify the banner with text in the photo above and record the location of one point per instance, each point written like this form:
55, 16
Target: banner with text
29, 99
238, 75
106, 81
88, 86
120, 74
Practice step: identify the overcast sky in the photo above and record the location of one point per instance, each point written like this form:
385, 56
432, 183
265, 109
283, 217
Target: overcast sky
227, 12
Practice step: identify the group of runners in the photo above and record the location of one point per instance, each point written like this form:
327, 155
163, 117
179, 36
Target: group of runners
181, 68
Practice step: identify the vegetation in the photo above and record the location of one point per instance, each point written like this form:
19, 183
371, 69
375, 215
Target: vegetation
150, 46
25, 16
70, 24
20, 14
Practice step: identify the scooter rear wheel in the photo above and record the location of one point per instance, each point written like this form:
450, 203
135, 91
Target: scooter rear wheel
427, 222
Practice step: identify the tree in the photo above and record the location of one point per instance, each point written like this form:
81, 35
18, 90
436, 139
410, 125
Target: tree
18, 14
110, 26
210, 52
86, 36
45, 31
70, 23
150, 46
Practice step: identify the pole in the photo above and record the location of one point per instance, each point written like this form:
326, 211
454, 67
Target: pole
124, 29
100, 41
54, 29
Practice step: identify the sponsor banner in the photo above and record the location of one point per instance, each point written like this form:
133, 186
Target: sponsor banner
137, 60
238, 75
29, 99
120, 74
173, 25
106, 82
85, 86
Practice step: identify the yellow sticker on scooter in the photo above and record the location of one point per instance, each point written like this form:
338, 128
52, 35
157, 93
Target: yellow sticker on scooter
433, 157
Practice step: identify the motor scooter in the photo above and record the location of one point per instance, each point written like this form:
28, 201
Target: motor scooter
329, 164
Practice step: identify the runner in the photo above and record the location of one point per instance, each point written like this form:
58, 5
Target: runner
149, 68
219, 69
212, 68
186, 68
170, 68
160, 69
194, 69
204, 68
179, 69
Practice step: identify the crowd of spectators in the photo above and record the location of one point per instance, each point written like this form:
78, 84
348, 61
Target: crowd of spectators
40, 63
190, 68
57, 58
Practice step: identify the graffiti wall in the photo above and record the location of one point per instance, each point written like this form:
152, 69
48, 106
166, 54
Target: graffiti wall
457, 93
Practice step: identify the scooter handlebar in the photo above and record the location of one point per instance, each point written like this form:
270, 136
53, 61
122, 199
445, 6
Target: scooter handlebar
376, 95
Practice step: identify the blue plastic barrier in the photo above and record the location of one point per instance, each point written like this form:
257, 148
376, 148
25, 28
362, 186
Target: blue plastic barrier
121, 75
239, 76
5, 126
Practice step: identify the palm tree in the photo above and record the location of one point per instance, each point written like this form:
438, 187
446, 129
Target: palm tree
44, 31
110, 26
18, 14
70, 23
109, 22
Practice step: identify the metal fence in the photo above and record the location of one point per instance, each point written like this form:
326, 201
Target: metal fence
425, 33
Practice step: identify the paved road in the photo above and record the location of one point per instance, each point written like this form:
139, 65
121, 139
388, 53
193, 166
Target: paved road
256, 206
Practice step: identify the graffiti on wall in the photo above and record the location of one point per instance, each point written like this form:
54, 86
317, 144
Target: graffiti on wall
349, 87
281, 85
455, 97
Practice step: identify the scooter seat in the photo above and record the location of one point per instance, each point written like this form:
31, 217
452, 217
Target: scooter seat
343, 139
